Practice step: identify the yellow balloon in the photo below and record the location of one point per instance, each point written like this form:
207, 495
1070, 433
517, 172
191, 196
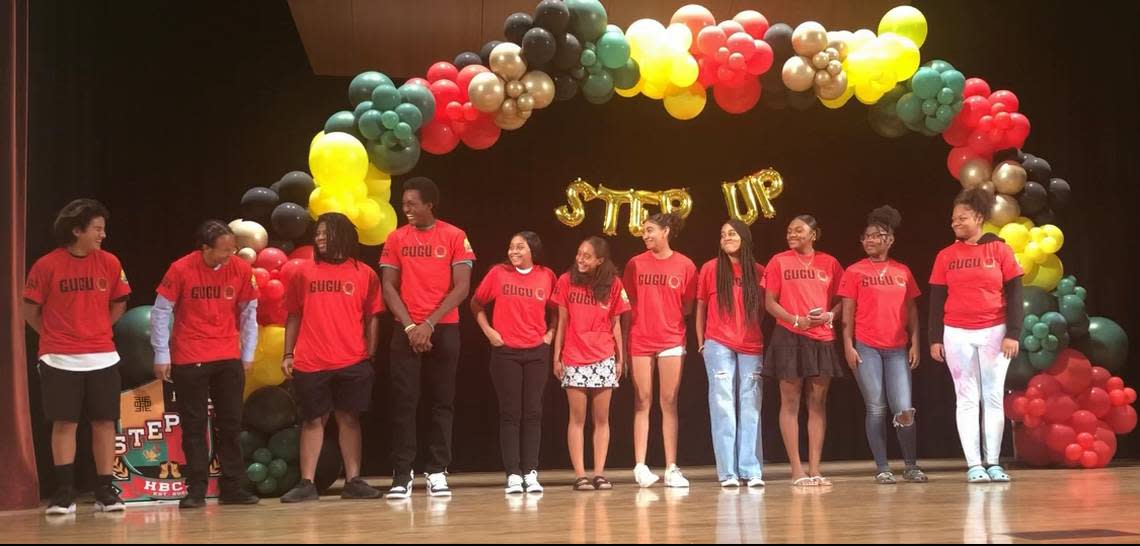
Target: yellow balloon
905, 21
685, 102
1024, 221
357, 190
1015, 235
1028, 267
378, 182
989, 227
369, 214
1047, 275
316, 137
1054, 232
685, 70
654, 90
384, 227
1050, 245
905, 56
1036, 234
868, 94
266, 369
632, 91
338, 158
1033, 252
842, 100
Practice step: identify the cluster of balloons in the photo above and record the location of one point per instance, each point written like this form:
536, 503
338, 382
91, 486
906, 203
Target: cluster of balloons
818, 64
989, 121
1036, 251
1043, 196
347, 183
732, 55
935, 98
386, 119
1070, 414
270, 444
509, 90
272, 270
456, 119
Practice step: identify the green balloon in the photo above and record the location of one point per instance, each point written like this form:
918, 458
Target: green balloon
587, 19
410, 114
1080, 292
1067, 286
954, 81
1051, 343
386, 97
598, 85
1072, 307
927, 82
613, 50
263, 456
371, 124
389, 140
268, 486
1019, 373
420, 97
1040, 330
1106, 345
937, 124
946, 96
341, 122
403, 131
1031, 344
601, 99
132, 340
627, 75
1037, 301
389, 119
277, 468
394, 161
939, 65
361, 87
361, 109
909, 108
250, 441
1029, 321
1042, 360
929, 107
257, 472
285, 444
1080, 329
1056, 322
588, 58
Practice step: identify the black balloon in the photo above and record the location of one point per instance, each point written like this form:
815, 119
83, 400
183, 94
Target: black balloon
565, 87
465, 59
269, 409
553, 15
538, 47
295, 187
290, 221
779, 37
1059, 193
485, 53
516, 26
1045, 217
276, 187
1037, 169
569, 54
773, 93
285, 246
1033, 199
258, 203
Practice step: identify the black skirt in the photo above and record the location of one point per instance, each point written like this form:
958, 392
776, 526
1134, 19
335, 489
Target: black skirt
792, 356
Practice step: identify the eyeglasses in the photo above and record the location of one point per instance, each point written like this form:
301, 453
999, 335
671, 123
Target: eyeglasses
880, 236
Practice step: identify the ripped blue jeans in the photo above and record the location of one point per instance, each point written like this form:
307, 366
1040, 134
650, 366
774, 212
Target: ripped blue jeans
735, 393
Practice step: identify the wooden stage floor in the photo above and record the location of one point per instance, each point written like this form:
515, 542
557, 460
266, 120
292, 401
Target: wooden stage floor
1039, 506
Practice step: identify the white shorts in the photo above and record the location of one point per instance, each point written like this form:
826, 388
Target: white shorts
673, 351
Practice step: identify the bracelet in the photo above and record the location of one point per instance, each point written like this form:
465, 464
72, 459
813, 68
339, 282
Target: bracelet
797, 323
409, 328
430, 325
287, 355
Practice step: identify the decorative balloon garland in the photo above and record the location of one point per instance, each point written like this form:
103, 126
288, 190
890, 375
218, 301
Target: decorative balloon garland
1071, 410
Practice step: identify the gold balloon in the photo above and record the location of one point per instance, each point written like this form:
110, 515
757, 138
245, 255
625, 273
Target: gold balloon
638, 214
486, 92
249, 234
822, 79
614, 200
510, 120
1005, 210
515, 88
834, 68
1009, 177
525, 114
525, 102
248, 254
574, 212
758, 189
677, 201
835, 89
506, 60
819, 60
988, 187
509, 107
769, 184
539, 85
975, 172
798, 75
809, 38
732, 191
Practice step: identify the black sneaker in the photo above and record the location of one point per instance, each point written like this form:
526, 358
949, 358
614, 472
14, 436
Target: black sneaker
62, 502
401, 488
357, 488
192, 501
107, 500
304, 491
240, 496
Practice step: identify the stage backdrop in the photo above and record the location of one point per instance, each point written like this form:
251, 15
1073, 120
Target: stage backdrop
168, 114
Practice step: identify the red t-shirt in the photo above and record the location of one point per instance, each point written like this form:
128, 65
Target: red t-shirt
589, 335
206, 307
335, 302
732, 331
659, 290
974, 277
76, 294
520, 303
425, 259
802, 284
881, 292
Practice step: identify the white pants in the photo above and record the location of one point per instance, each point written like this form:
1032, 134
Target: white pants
978, 367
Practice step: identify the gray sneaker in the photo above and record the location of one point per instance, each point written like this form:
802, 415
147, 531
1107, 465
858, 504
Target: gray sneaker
915, 475
357, 488
304, 491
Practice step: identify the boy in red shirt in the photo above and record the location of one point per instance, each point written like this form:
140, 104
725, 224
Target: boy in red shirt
72, 296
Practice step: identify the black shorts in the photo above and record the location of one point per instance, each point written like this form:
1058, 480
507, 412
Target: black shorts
346, 389
71, 396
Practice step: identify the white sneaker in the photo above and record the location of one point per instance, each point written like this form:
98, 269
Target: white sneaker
437, 485
401, 489
755, 482
531, 482
731, 482
643, 476
674, 478
514, 484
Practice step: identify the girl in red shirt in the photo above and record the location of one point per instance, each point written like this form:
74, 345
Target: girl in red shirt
588, 351
520, 351
662, 286
800, 287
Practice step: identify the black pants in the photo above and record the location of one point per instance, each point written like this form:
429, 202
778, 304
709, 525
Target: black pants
520, 377
195, 385
407, 365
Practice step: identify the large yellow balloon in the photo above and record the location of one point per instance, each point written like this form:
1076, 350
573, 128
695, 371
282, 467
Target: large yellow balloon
1015, 235
906, 21
632, 91
654, 90
685, 102
378, 183
369, 214
338, 158
905, 56
377, 234
1047, 275
266, 369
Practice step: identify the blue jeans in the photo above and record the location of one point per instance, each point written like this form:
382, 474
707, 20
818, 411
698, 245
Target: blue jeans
884, 379
735, 394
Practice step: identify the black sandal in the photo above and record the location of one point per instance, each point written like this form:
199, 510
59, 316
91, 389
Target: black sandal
583, 484
602, 484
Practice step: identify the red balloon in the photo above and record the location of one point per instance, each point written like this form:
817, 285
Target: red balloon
1006, 98
271, 312
731, 27
976, 87
274, 290
1085, 439
1073, 371
1104, 453
958, 132
742, 43
960, 155
1096, 400
275, 274
1114, 384
442, 70
470, 113
1060, 408
706, 74
710, 40
1084, 421
737, 100
1089, 459
761, 61
291, 268
445, 92
1073, 452
1033, 392
463, 80
696, 18
1106, 435
1045, 384
1037, 407
1100, 376
261, 276
754, 23
1130, 395
306, 252
1117, 397
438, 137
1014, 409
1059, 437
1033, 421
1017, 132
481, 133
1030, 448
1122, 419
270, 258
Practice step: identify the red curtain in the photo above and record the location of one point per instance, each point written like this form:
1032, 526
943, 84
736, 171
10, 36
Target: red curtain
17, 452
